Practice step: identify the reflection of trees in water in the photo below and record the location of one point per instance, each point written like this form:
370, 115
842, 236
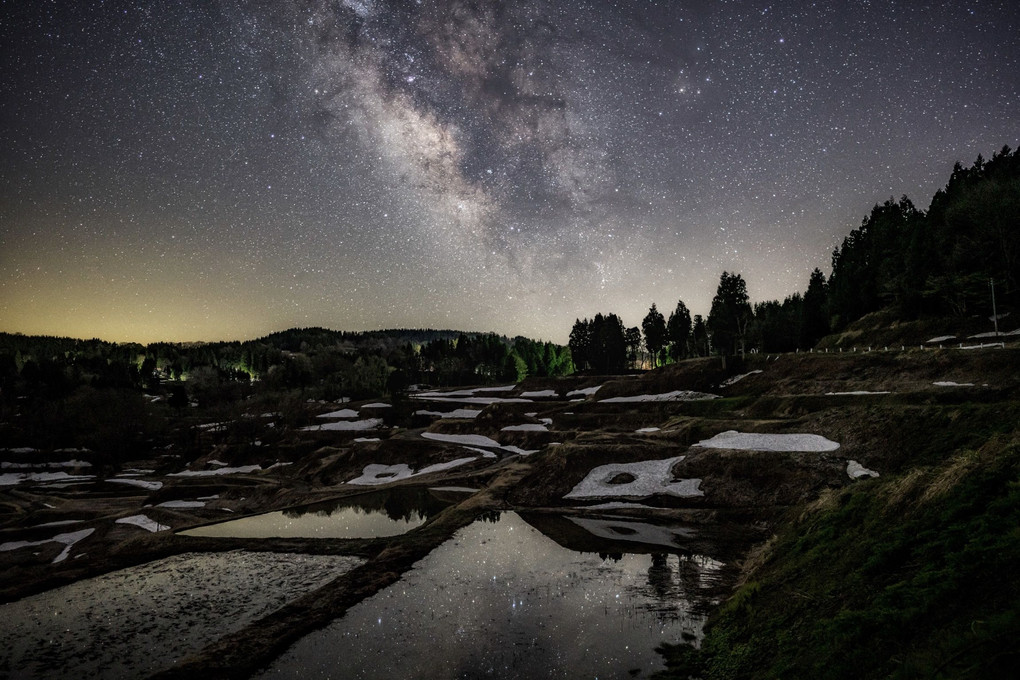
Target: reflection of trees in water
490, 516
660, 577
397, 504
675, 583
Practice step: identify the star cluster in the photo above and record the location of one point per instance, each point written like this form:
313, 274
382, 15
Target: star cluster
186, 171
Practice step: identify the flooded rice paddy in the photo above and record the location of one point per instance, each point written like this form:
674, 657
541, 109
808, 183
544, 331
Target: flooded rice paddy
371, 515
501, 599
136, 621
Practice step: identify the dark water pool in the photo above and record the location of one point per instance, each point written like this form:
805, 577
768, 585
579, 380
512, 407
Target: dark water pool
501, 599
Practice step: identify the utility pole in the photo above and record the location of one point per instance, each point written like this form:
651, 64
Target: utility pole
995, 316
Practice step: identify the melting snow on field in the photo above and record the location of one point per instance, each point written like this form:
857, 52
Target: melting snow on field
68, 540
181, 504
950, 383
650, 478
470, 440
677, 395
143, 522
485, 453
584, 392
943, 338
854, 393
539, 394
244, 469
748, 441
737, 378
346, 425
140, 483
456, 413
483, 401
383, 474
342, 413
647, 430
526, 427
465, 439
637, 532
464, 393
12, 478
855, 470
48, 466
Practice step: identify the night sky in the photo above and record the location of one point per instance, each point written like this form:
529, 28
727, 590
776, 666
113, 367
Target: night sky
222, 170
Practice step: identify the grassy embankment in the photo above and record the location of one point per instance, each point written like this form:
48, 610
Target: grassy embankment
910, 575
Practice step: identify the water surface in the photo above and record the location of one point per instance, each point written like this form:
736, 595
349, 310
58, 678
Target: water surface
502, 600
370, 515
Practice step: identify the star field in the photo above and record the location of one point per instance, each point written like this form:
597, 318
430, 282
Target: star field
203, 171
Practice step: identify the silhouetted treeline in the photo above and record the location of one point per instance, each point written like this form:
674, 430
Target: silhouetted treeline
334, 364
939, 263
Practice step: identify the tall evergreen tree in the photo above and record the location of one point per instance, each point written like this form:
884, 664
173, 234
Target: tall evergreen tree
678, 331
633, 339
815, 317
654, 327
730, 315
580, 344
700, 340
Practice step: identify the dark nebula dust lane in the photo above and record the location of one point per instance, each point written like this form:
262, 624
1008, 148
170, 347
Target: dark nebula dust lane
185, 171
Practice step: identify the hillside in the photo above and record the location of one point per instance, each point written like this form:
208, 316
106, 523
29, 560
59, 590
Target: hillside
865, 503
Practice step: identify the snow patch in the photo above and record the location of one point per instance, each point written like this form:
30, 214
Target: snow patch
950, 383
482, 401
68, 540
383, 474
677, 395
342, 413
584, 392
485, 453
646, 430
140, 483
539, 394
747, 441
143, 522
519, 451
181, 504
465, 439
651, 477
942, 338
737, 378
853, 393
456, 413
244, 469
346, 425
855, 470
12, 478
526, 427
47, 466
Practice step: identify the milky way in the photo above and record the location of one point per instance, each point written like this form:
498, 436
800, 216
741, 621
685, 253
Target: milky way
188, 171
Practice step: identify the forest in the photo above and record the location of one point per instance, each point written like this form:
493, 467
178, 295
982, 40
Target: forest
947, 261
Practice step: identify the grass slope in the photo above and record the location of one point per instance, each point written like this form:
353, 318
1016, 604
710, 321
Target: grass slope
908, 576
